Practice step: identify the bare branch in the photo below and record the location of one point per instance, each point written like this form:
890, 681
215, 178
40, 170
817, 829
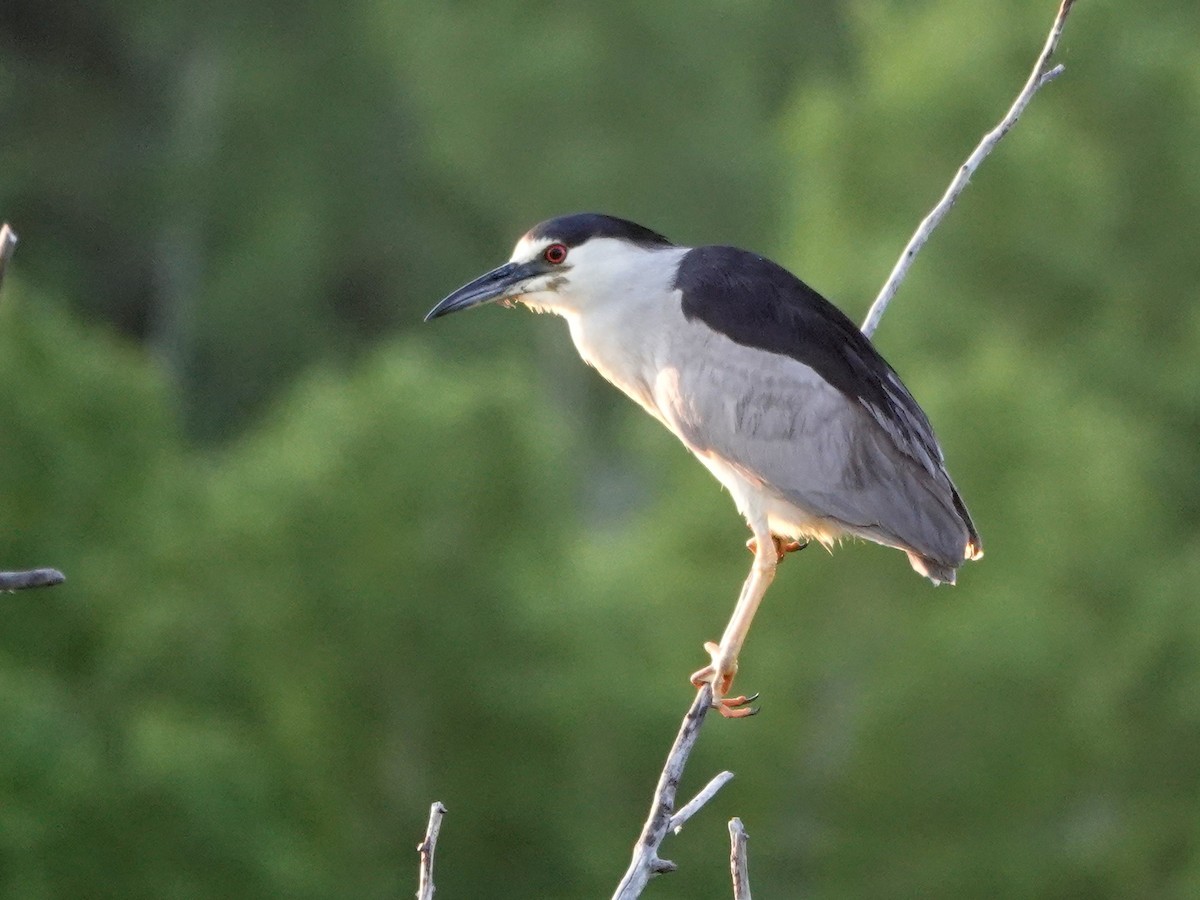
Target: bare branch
19, 581
8, 243
426, 848
1040, 75
693, 806
646, 862
739, 867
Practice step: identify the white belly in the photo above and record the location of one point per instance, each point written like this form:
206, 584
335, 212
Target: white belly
758, 503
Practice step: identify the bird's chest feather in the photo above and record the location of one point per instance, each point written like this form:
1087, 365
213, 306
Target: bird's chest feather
632, 348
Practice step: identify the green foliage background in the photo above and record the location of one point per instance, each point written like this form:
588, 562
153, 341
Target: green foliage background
327, 565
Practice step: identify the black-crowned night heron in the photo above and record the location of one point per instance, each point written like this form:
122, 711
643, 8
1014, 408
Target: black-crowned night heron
771, 387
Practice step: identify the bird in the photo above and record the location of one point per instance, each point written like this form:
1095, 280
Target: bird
768, 384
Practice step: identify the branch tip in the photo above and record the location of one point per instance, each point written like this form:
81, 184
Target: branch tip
426, 848
33, 578
739, 867
8, 243
1050, 75
693, 806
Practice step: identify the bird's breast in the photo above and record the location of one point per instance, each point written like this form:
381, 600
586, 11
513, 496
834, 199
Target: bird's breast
629, 347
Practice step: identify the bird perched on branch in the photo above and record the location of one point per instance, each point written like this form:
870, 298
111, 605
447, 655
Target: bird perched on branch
768, 384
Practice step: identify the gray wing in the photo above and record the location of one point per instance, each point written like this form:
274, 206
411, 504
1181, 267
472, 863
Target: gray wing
784, 425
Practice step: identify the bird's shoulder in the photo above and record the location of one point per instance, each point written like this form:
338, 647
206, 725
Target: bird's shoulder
758, 303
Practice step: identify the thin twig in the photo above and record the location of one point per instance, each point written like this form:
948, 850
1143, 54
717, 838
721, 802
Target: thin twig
426, 848
646, 862
8, 243
739, 866
19, 581
693, 806
1040, 75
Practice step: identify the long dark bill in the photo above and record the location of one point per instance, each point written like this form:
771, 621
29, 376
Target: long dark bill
495, 285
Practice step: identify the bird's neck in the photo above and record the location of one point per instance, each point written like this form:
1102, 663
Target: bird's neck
619, 322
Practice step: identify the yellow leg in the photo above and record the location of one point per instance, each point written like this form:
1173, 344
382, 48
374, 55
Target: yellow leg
725, 654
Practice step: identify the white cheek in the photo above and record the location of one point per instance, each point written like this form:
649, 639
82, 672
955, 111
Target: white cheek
541, 294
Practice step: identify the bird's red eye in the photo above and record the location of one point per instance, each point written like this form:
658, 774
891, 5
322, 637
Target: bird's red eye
555, 254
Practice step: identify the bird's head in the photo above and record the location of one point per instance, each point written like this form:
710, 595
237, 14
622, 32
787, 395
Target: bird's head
562, 264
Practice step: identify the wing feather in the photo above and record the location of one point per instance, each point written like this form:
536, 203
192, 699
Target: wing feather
819, 417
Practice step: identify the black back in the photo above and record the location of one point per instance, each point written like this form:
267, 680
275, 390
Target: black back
760, 304
577, 228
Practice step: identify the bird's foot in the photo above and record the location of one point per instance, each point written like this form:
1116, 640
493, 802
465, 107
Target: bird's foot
783, 546
719, 673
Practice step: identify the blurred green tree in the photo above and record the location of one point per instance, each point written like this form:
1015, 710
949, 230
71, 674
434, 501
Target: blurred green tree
415, 578
250, 189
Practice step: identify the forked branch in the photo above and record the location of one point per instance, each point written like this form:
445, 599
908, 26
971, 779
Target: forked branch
646, 862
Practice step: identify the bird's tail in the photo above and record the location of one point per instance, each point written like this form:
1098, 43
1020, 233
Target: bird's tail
945, 573
937, 572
